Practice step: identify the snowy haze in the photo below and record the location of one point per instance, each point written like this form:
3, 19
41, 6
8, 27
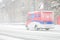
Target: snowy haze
19, 32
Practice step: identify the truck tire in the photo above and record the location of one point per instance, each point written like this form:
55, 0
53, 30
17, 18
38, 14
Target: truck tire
33, 26
47, 28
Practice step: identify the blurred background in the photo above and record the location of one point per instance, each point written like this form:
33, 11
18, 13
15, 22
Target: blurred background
15, 11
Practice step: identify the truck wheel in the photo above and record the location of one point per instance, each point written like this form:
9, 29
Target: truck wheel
27, 27
33, 26
47, 28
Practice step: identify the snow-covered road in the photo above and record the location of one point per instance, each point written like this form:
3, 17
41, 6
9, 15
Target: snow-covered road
2, 37
19, 32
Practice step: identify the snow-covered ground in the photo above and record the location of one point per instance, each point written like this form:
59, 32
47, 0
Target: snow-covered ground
19, 32
2, 37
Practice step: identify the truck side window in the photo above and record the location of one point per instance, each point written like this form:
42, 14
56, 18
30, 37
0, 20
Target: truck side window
37, 15
32, 15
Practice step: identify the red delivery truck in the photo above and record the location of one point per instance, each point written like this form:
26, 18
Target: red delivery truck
58, 20
40, 20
